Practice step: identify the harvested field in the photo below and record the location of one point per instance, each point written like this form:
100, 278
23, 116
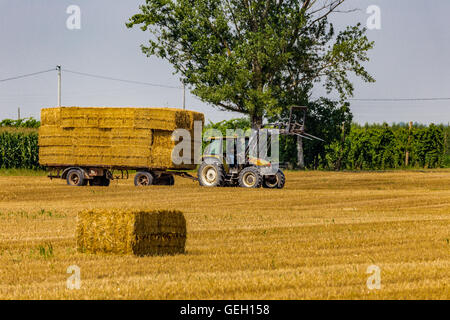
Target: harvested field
313, 240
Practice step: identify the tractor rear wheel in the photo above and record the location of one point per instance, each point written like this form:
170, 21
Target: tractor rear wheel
250, 177
211, 175
276, 181
143, 179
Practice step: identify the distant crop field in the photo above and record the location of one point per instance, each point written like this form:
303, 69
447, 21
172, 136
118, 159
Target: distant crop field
313, 240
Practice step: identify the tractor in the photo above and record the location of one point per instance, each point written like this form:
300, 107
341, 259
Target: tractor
244, 169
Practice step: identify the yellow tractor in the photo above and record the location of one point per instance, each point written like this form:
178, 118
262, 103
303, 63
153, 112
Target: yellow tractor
244, 169
219, 169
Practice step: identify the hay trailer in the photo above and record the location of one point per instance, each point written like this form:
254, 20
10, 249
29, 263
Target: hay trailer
96, 145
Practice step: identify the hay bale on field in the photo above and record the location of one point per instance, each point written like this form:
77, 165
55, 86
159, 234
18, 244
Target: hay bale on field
141, 233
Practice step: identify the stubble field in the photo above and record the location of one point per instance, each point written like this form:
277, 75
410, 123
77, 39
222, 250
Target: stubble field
313, 240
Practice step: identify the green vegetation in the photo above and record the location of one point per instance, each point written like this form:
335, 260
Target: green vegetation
21, 123
369, 147
45, 250
19, 149
447, 147
18, 130
233, 124
22, 173
379, 147
40, 214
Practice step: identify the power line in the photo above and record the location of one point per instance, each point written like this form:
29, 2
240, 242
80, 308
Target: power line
120, 80
175, 87
26, 75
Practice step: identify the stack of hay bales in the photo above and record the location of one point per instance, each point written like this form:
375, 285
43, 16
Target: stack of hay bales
112, 137
141, 233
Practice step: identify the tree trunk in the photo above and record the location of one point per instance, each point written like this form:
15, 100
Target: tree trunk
341, 148
300, 154
256, 122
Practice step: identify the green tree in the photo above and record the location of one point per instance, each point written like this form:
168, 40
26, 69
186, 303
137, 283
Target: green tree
255, 57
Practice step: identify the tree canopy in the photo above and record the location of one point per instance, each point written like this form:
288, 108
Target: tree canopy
254, 56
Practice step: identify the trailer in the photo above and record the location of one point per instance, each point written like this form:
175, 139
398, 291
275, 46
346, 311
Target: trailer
96, 145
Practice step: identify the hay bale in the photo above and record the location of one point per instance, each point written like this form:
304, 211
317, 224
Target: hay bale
53, 136
141, 233
143, 118
51, 116
121, 137
166, 119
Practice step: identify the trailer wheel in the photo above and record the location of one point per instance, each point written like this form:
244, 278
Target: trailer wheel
143, 179
250, 177
211, 175
166, 180
276, 181
75, 178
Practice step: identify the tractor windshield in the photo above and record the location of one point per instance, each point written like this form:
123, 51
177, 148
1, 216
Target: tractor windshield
214, 148
259, 145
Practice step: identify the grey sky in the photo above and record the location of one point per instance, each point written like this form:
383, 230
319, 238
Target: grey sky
410, 60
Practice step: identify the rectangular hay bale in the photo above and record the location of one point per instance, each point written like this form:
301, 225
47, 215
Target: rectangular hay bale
141, 233
144, 118
51, 116
118, 137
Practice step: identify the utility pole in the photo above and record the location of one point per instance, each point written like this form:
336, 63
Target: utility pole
184, 96
59, 85
18, 113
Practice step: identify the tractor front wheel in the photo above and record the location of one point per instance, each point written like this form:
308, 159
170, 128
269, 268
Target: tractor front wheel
250, 178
